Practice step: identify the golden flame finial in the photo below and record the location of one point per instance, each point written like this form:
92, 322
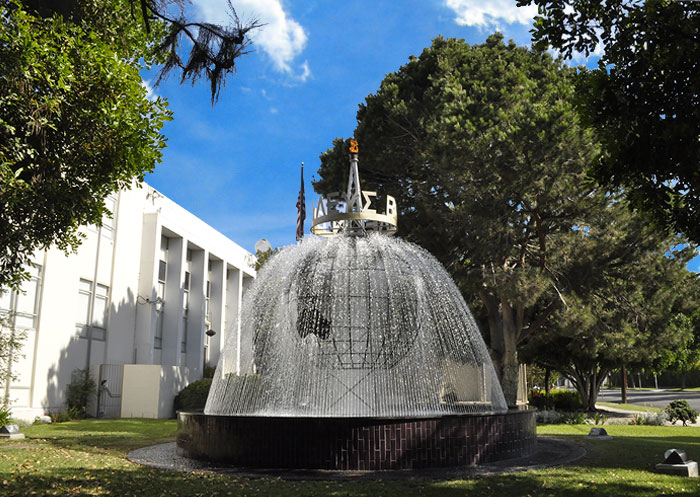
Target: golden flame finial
354, 146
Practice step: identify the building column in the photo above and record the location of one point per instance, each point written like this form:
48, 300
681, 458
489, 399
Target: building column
216, 310
234, 289
147, 290
195, 316
172, 307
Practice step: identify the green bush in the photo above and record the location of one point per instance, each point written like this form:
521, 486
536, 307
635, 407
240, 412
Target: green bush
680, 410
67, 415
574, 418
209, 372
82, 386
561, 400
5, 415
194, 396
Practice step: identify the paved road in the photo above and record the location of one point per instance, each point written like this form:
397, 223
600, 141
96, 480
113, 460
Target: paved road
659, 398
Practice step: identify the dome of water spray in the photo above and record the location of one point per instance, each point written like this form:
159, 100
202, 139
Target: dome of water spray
354, 326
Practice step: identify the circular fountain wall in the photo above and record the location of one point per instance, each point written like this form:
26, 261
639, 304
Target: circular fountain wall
355, 353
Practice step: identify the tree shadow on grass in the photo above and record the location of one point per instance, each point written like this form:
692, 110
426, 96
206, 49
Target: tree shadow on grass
138, 481
99, 435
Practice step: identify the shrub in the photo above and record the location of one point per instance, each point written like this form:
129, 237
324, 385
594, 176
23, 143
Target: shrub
194, 396
560, 400
599, 418
82, 386
650, 418
574, 418
680, 410
5, 415
67, 415
209, 372
548, 417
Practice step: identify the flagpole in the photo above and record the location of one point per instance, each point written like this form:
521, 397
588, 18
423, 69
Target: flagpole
301, 208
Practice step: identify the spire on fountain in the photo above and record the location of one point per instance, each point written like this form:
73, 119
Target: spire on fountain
354, 213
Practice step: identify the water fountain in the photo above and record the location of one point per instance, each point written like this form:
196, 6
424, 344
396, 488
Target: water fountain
357, 352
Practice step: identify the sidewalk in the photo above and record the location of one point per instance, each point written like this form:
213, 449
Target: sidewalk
623, 413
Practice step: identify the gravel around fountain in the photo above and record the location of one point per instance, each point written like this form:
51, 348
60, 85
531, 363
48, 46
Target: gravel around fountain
550, 452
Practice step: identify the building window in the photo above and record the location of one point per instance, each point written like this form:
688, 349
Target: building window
83, 316
107, 221
99, 312
93, 306
207, 308
22, 308
162, 271
186, 301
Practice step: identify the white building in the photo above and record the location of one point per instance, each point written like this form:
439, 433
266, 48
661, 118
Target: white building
134, 304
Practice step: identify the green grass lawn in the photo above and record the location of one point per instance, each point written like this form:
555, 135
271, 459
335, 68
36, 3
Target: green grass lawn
87, 458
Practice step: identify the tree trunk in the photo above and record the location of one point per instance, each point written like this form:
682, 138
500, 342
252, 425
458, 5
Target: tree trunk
508, 367
504, 328
547, 376
623, 390
598, 379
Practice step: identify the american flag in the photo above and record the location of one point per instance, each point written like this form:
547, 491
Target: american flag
301, 208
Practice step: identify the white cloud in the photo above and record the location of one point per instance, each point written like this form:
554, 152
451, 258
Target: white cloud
281, 38
305, 71
489, 14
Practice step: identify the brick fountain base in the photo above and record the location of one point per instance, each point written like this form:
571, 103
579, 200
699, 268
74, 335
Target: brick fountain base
356, 443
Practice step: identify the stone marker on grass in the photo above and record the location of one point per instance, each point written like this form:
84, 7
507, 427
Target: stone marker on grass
11, 432
676, 462
598, 434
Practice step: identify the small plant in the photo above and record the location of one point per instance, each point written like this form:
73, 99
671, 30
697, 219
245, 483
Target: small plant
59, 416
209, 372
5, 415
680, 410
599, 418
79, 391
574, 418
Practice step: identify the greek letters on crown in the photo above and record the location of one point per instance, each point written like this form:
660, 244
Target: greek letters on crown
352, 212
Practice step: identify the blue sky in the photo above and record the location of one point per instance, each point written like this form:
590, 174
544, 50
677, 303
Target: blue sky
236, 164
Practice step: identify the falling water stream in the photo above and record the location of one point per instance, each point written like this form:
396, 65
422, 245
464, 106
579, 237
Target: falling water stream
368, 326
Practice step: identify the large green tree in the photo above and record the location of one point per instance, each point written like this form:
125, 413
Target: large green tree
483, 151
629, 301
643, 98
683, 360
75, 123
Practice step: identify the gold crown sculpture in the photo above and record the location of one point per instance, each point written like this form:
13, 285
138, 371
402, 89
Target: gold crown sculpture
352, 213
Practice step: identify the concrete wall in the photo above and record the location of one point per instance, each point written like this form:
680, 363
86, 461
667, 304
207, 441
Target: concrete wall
126, 260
